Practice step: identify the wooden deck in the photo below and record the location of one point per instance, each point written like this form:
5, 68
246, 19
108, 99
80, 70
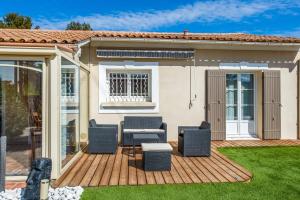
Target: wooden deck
124, 169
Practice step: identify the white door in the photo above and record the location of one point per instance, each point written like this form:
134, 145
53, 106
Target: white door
240, 105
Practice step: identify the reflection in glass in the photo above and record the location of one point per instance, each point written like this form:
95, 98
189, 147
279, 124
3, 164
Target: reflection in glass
69, 116
21, 113
247, 81
231, 97
231, 113
247, 97
248, 112
231, 81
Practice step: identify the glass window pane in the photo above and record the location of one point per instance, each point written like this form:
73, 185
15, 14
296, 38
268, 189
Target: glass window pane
231, 97
247, 81
70, 117
231, 112
231, 81
21, 113
247, 113
247, 97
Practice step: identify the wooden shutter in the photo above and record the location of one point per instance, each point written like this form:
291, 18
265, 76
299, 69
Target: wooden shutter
216, 103
272, 105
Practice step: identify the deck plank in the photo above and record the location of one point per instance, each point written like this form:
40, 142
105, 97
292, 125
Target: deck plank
99, 171
205, 171
74, 171
82, 172
140, 173
176, 177
132, 177
124, 168
107, 171
158, 178
90, 173
180, 170
115, 175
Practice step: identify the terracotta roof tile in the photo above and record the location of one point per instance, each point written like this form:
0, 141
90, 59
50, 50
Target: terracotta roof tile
73, 37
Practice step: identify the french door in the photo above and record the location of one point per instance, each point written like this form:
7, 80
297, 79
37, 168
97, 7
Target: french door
240, 105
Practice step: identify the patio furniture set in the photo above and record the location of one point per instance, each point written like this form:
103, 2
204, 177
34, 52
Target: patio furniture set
151, 134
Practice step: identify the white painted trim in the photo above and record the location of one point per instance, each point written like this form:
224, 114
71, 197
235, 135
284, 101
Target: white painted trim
27, 50
244, 66
130, 65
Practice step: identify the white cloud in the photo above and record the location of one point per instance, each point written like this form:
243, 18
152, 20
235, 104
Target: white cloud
201, 11
291, 33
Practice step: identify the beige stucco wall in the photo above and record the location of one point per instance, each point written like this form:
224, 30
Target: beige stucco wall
174, 88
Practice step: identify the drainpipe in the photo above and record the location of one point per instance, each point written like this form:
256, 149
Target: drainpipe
193, 59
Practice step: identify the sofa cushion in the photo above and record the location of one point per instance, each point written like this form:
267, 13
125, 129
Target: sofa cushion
143, 131
142, 122
157, 147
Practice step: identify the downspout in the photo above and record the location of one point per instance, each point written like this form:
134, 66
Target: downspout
193, 59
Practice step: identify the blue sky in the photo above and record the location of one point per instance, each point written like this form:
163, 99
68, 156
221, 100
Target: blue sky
277, 17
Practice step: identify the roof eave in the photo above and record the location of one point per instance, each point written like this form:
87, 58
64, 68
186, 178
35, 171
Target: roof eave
185, 41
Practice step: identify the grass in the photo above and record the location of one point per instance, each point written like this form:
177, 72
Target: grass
276, 173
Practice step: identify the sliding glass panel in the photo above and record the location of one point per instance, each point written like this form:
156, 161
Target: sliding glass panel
21, 113
69, 115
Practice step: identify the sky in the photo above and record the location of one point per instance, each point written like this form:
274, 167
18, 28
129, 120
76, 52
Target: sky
269, 17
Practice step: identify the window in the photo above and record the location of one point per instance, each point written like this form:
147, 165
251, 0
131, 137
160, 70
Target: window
128, 86
68, 83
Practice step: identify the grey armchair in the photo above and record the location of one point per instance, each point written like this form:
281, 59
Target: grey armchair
103, 138
194, 140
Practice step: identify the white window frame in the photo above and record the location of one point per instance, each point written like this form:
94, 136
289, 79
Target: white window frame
139, 107
239, 115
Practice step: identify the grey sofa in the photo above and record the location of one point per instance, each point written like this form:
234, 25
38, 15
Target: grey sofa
140, 124
103, 138
194, 140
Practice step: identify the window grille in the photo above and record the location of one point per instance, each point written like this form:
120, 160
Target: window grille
128, 86
68, 83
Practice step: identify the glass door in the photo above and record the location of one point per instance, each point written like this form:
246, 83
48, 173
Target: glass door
21, 113
240, 105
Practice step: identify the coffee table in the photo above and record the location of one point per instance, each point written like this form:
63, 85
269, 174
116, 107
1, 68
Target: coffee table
139, 138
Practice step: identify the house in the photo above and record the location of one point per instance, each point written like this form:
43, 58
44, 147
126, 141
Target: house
53, 82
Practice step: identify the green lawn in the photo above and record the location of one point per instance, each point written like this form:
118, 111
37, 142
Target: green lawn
276, 176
